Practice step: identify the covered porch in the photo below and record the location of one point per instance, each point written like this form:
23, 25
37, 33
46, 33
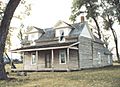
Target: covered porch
51, 58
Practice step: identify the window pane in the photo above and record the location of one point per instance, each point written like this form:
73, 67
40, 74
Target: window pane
62, 57
108, 59
61, 38
99, 58
33, 59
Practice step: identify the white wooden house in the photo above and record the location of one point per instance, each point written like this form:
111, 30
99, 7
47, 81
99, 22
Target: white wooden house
64, 47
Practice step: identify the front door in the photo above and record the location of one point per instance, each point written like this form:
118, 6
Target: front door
47, 61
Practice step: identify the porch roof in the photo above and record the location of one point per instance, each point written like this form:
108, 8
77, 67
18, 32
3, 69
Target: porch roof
46, 47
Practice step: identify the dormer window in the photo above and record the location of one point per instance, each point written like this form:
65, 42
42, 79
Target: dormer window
61, 37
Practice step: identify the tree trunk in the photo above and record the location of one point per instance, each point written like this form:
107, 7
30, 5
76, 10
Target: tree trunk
3, 74
98, 28
96, 22
115, 38
116, 43
4, 28
11, 62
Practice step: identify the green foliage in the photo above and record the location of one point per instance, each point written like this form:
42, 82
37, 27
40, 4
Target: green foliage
20, 35
91, 10
8, 40
2, 8
90, 5
25, 11
108, 10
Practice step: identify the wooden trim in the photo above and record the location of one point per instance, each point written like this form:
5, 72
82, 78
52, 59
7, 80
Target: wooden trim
48, 48
74, 48
37, 59
62, 27
74, 44
98, 42
31, 32
89, 30
31, 56
56, 39
52, 58
47, 40
78, 59
68, 57
23, 60
64, 52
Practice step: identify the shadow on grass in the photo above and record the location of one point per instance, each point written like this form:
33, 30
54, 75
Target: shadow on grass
112, 67
11, 79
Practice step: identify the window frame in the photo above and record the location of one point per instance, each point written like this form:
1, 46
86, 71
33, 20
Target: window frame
60, 32
60, 58
33, 58
99, 58
109, 61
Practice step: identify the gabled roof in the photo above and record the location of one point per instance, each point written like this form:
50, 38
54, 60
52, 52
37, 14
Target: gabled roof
78, 29
97, 40
32, 29
48, 35
50, 32
39, 29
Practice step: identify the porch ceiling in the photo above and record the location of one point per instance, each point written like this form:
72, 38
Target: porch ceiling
47, 47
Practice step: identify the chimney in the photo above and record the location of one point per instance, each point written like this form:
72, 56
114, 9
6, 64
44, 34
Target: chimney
82, 19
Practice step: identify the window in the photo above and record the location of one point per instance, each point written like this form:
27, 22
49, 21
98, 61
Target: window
33, 36
61, 38
33, 58
108, 59
99, 58
62, 57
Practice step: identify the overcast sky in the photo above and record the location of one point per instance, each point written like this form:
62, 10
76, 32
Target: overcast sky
45, 13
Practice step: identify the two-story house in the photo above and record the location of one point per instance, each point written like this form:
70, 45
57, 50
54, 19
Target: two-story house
63, 47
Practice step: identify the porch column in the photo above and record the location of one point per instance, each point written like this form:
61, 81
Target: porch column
52, 58
23, 55
68, 57
37, 59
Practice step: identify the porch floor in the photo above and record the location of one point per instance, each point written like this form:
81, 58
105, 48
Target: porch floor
45, 70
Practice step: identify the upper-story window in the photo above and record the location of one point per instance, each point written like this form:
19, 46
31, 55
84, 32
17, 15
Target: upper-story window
61, 37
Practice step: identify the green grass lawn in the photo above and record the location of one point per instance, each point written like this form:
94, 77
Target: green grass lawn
103, 77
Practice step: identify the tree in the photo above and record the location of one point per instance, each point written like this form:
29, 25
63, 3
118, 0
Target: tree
108, 10
4, 28
8, 40
110, 15
91, 10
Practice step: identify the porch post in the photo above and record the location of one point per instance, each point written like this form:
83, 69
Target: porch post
68, 57
52, 58
23, 55
37, 59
